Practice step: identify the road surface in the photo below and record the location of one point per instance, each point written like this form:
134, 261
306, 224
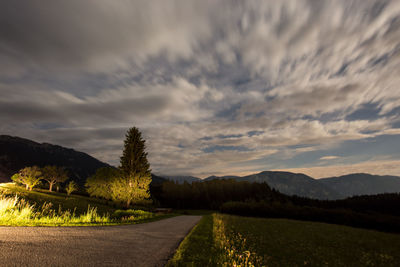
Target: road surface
147, 244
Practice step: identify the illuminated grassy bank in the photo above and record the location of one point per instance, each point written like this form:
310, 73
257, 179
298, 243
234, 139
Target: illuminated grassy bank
19, 207
224, 240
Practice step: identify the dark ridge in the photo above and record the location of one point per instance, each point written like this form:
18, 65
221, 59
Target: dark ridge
17, 153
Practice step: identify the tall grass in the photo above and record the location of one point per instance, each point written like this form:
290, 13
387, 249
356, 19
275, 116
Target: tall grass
16, 211
236, 251
77, 203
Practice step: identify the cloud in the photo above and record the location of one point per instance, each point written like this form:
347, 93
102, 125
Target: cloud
299, 75
329, 157
100, 35
176, 100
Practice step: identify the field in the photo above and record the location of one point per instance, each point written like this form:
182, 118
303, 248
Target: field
225, 240
19, 207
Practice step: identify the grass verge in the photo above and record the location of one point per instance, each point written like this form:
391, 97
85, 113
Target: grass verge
56, 209
225, 240
73, 202
197, 248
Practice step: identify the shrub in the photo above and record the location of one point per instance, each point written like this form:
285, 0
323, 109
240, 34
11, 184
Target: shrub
71, 187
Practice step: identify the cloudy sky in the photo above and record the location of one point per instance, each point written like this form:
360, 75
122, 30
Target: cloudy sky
216, 87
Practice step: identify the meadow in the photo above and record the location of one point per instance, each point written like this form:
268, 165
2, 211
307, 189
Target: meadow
226, 240
19, 207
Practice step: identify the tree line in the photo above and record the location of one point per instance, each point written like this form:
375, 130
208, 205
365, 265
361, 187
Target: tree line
211, 194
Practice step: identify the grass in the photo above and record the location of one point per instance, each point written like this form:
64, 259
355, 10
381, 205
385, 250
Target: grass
73, 202
197, 249
225, 240
19, 207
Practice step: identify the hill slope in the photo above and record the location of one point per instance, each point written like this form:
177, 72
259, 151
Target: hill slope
363, 184
17, 153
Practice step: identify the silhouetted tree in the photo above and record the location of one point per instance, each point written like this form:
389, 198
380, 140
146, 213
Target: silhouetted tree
134, 158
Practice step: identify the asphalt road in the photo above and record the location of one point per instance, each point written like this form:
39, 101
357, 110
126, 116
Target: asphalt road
148, 244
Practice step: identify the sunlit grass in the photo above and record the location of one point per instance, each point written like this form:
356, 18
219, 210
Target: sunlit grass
73, 202
224, 240
17, 211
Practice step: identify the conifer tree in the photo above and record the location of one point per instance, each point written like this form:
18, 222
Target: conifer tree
134, 184
134, 158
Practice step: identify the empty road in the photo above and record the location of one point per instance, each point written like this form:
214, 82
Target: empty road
147, 244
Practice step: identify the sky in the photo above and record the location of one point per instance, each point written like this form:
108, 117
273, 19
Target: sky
216, 87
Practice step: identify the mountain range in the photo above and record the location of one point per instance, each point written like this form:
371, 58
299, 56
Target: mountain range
17, 153
362, 184
326, 188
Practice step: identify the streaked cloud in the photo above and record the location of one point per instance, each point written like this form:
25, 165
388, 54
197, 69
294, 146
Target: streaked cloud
217, 87
328, 157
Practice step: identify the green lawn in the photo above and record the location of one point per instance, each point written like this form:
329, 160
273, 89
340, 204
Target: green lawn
224, 240
19, 207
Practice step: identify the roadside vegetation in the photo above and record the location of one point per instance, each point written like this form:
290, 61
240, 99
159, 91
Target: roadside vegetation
226, 240
19, 207
39, 197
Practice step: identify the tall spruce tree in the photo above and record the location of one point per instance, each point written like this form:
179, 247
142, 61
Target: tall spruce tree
133, 186
134, 158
